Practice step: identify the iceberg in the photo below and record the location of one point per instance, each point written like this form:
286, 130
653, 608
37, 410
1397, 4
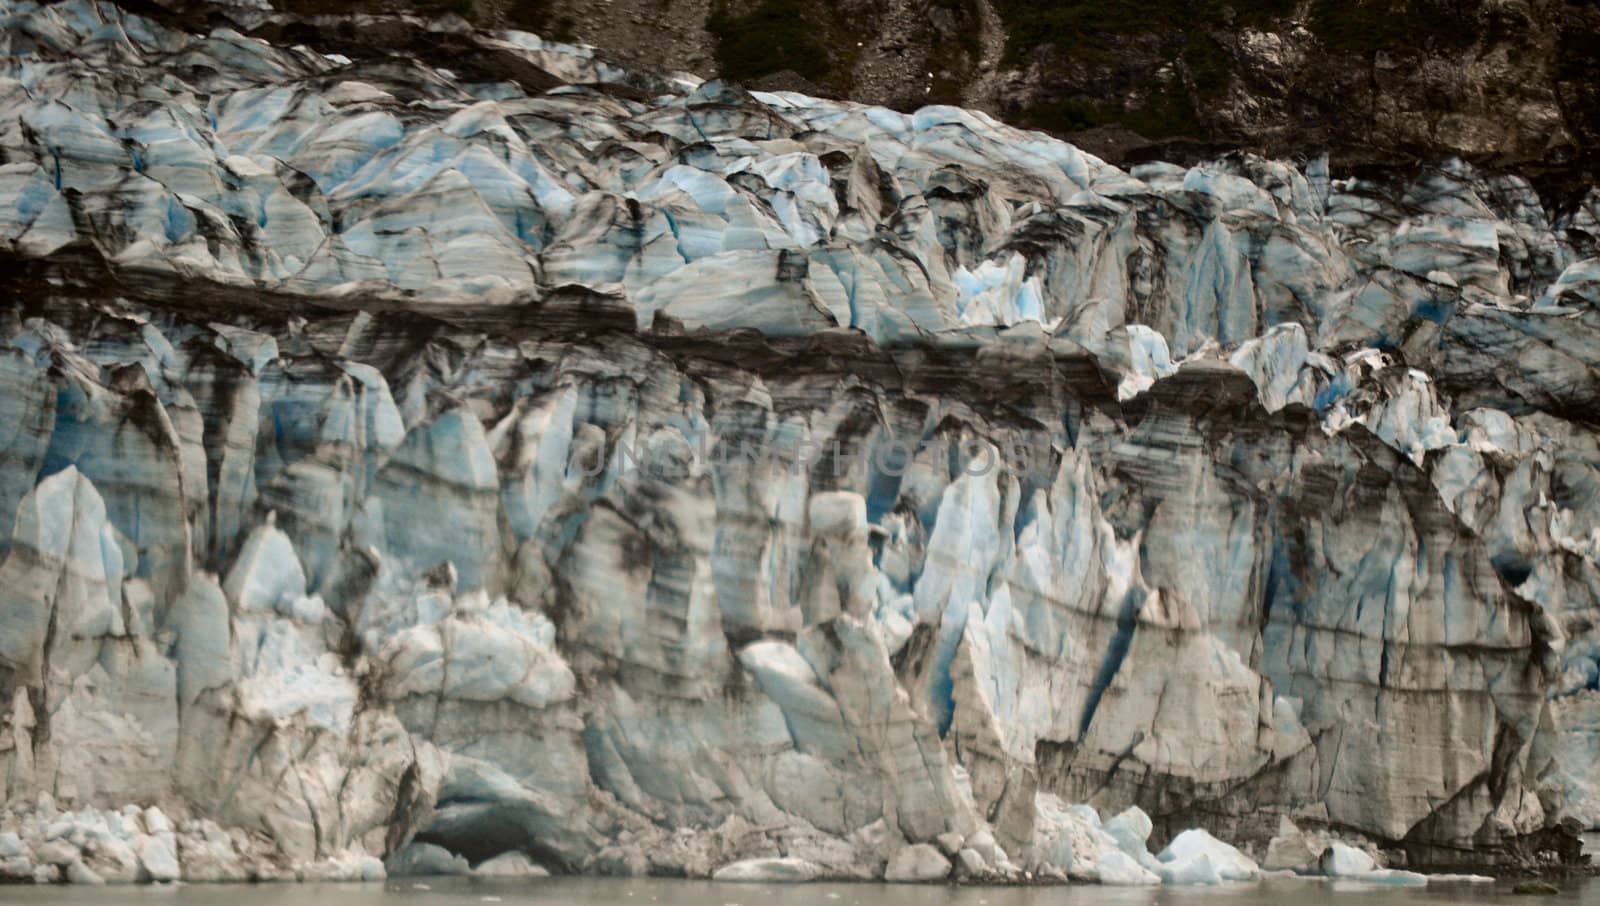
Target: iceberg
768, 871
1118, 869
1342, 861
1196, 854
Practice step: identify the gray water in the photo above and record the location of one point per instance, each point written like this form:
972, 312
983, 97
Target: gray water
658, 892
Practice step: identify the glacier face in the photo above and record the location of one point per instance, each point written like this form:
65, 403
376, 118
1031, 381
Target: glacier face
417, 467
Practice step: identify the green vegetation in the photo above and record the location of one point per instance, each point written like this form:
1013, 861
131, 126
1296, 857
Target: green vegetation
951, 33
1131, 40
1151, 34
965, 14
1576, 74
466, 9
528, 15
773, 36
327, 7
1166, 115
1396, 26
1087, 29
534, 16
1090, 28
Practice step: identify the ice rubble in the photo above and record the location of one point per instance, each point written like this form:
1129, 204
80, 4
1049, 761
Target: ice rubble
354, 416
769, 870
133, 844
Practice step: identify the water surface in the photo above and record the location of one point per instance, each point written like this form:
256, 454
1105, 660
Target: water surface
661, 892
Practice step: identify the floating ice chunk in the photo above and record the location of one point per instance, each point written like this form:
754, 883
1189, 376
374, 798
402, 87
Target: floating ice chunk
784, 870
1196, 870
1388, 877
1117, 868
1342, 861
1228, 863
425, 859
514, 864
345, 866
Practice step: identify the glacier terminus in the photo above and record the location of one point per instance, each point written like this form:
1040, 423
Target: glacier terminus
418, 466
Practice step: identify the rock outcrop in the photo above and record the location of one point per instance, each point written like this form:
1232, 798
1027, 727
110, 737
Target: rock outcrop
1385, 82
645, 476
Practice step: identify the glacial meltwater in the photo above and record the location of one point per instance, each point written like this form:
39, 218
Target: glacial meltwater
575, 891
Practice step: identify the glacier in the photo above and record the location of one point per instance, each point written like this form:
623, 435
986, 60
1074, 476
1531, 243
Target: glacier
418, 471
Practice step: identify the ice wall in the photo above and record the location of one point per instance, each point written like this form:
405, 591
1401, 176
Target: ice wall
412, 467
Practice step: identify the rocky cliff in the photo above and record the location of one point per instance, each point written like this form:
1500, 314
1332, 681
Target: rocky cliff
494, 450
1503, 82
